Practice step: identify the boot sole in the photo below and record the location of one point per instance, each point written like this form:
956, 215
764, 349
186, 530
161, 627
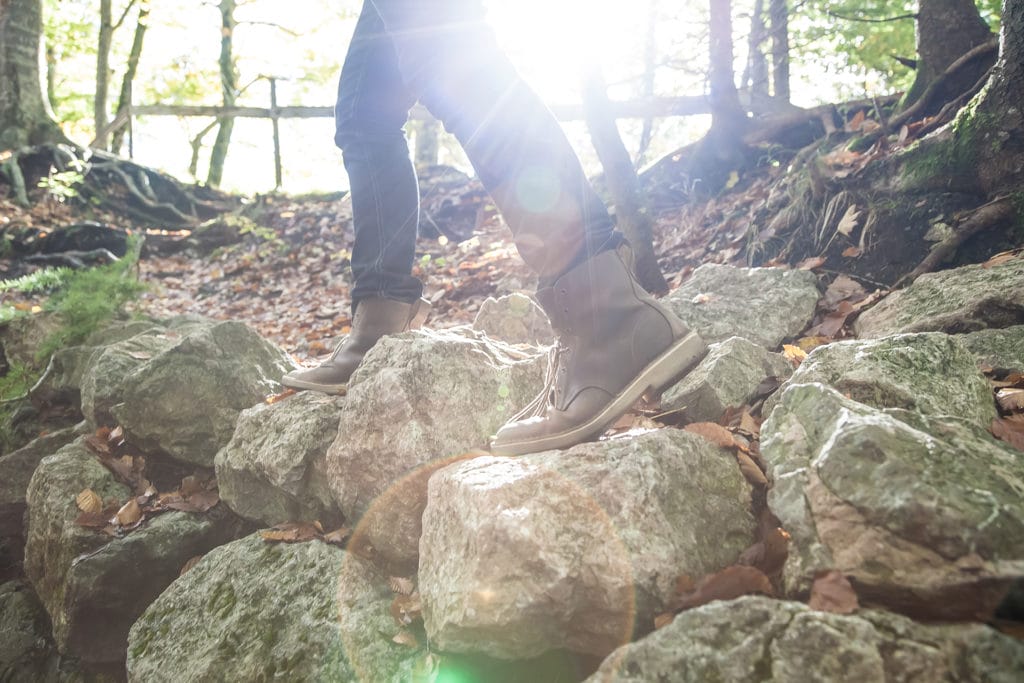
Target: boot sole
302, 385
661, 373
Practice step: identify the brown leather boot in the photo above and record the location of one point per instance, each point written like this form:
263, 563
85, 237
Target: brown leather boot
374, 318
615, 343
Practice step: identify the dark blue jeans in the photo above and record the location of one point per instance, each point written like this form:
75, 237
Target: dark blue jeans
441, 53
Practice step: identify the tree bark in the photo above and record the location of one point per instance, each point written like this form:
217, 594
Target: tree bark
229, 88
103, 43
778, 13
24, 117
631, 212
755, 79
946, 30
127, 83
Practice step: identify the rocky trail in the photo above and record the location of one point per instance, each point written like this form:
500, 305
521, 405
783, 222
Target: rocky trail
855, 513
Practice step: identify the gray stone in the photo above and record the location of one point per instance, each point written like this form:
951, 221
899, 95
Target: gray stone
932, 373
764, 305
514, 319
760, 640
418, 400
925, 514
22, 337
62, 385
93, 586
575, 548
997, 348
253, 611
185, 400
274, 468
26, 650
108, 368
16, 470
963, 299
728, 377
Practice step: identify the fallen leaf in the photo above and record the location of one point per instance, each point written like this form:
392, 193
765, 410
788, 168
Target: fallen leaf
116, 435
88, 501
190, 485
750, 470
1010, 431
401, 585
856, 123
848, 222
768, 554
95, 520
98, 444
811, 263
338, 536
833, 593
290, 532
663, 620
129, 514
406, 638
1001, 258
852, 252
840, 289
405, 609
795, 354
275, 398
701, 299
728, 584
715, 433
748, 425
1010, 400
808, 344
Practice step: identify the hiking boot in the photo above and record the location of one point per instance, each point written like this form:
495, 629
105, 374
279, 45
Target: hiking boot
615, 343
374, 318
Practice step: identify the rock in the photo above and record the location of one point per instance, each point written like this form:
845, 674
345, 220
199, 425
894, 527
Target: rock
15, 473
728, 377
22, 337
274, 468
764, 305
574, 548
184, 401
514, 319
963, 299
759, 640
253, 611
92, 586
62, 385
26, 651
931, 372
997, 348
110, 366
924, 514
418, 400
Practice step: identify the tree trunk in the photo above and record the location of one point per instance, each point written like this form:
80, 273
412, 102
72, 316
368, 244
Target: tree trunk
125, 96
647, 87
632, 215
778, 13
24, 117
755, 79
946, 30
99, 102
229, 88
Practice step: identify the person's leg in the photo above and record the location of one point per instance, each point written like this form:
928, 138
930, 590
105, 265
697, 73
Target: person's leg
373, 105
615, 341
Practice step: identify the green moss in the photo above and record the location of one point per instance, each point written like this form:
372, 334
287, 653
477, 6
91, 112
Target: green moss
16, 383
956, 156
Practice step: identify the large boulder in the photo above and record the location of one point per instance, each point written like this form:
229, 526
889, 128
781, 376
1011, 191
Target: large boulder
26, 651
16, 471
418, 400
764, 305
184, 401
94, 586
932, 373
759, 640
728, 377
925, 514
997, 348
963, 299
110, 366
514, 319
575, 549
274, 468
252, 611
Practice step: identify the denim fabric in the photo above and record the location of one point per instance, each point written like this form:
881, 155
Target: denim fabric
442, 53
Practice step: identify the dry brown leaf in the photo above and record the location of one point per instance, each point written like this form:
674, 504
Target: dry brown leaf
192, 562
808, 344
848, 222
89, 502
1010, 399
715, 433
95, 520
663, 620
401, 585
275, 398
204, 500
748, 425
852, 252
811, 263
840, 289
405, 609
1009, 430
832, 592
290, 532
338, 536
750, 470
1001, 258
856, 123
129, 514
795, 354
728, 584
190, 485
116, 435
98, 444
406, 638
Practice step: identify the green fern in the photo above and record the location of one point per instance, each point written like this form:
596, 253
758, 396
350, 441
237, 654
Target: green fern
41, 280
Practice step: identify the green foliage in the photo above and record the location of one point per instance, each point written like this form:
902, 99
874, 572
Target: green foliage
39, 281
14, 385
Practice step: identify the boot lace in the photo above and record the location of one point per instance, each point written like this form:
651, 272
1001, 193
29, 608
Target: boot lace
539, 405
